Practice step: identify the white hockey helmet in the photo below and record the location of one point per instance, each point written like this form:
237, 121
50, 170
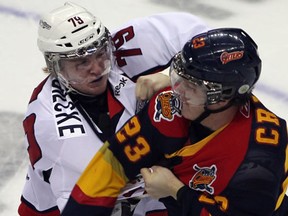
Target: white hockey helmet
68, 28
70, 31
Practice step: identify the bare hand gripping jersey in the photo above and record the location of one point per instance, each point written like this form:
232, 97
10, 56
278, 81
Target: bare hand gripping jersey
240, 169
61, 139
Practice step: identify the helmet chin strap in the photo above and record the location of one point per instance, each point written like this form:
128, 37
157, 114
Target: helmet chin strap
207, 112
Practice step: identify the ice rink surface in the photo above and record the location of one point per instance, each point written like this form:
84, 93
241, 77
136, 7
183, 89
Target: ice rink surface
21, 62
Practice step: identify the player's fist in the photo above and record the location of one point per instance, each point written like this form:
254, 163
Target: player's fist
160, 182
147, 85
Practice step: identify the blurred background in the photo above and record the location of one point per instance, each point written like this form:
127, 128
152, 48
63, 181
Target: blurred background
21, 61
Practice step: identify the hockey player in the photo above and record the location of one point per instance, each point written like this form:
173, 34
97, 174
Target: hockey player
227, 150
90, 93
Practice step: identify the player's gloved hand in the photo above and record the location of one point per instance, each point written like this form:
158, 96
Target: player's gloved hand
147, 85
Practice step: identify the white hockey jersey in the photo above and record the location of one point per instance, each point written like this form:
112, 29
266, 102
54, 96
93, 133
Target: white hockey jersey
61, 140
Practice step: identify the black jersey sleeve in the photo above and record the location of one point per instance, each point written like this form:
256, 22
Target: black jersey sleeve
140, 142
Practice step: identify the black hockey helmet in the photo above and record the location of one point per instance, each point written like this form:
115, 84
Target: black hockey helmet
225, 60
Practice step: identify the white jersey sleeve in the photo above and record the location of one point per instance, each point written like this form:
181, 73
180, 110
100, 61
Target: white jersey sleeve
146, 45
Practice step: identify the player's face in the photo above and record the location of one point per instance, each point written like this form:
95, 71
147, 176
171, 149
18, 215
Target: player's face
191, 112
190, 93
88, 74
192, 97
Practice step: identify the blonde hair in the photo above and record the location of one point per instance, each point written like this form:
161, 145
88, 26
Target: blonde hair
45, 70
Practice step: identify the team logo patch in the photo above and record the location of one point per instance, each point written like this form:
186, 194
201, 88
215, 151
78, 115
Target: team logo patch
203, 178
228, 57
166, 106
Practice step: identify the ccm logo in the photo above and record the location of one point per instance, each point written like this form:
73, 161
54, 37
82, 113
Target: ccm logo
86, 39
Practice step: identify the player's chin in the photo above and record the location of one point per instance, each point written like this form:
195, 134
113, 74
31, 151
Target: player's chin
191, 112
96, 89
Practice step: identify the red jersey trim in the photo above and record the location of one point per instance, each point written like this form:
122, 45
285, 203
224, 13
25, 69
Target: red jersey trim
83, 199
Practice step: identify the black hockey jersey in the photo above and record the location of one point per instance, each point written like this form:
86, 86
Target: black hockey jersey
240, 169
